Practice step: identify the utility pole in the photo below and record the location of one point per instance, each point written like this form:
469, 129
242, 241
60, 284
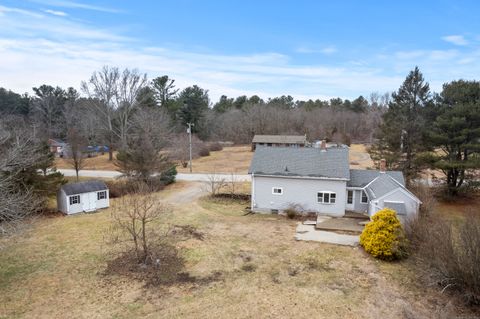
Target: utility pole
189, 131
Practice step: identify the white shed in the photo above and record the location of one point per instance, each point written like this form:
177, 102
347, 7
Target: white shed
82, 197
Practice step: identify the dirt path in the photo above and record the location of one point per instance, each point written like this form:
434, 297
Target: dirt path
187, 194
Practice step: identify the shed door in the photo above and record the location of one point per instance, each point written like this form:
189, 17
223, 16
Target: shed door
90, 202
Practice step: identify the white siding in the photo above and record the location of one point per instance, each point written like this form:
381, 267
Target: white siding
400, 196
297, 191
88, 202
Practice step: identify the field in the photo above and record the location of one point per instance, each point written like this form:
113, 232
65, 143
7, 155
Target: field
55, 268
233, 159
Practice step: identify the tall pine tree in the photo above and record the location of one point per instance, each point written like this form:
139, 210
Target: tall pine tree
455, 133
401, 135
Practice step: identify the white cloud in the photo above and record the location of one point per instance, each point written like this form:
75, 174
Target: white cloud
455, 39
43, 48
75, 5
324, 50
56, 13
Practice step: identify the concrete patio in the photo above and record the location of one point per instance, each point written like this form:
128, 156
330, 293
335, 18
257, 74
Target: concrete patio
352, 226
308, 232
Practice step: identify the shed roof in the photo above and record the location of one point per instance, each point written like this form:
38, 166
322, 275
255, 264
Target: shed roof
305, 162
361, 177
84, 187
280, 139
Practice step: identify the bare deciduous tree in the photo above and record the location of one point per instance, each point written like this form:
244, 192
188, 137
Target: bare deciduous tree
115, 96
132, 216
17, 200
77, 148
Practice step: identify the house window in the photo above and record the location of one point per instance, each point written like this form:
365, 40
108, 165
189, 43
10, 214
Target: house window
101, 195
326, 197
75, 199
277, 190
349, 197
364, 197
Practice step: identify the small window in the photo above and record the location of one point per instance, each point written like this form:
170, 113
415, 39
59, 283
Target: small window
349, 197
326, 197
101, 195
75, 199
364, 198
277, 191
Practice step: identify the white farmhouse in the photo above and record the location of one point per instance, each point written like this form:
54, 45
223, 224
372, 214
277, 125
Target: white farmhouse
320, 180
82, 197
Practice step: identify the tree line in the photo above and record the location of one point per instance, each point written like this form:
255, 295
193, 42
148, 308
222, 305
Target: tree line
144, 120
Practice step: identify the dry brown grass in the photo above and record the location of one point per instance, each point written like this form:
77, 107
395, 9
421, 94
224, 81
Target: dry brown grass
234, 159
55, 269
359, 157
99, 162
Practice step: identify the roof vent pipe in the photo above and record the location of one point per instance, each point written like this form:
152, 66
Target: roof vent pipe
323, 146
383, 165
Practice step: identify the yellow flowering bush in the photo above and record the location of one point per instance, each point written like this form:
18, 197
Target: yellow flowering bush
384, 237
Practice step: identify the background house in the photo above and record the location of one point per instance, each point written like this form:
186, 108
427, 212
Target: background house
319, 180
57, 146
279, 140
82, 197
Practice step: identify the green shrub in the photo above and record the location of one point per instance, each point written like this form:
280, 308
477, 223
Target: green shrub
384, 237
168, 177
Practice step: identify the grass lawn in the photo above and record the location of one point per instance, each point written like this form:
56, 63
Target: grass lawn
55, 269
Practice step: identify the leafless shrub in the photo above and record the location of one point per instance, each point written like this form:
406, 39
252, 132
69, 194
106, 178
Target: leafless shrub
204, 151
214, 184
294, 211
426, 194
215, 147
449, 253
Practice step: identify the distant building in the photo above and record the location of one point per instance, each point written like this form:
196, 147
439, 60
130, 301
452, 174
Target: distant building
82, 197
57, 147
279, 140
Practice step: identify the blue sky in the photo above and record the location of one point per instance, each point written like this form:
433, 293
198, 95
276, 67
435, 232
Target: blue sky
308, 49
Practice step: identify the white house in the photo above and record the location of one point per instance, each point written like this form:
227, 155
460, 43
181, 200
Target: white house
82, 197
319, 180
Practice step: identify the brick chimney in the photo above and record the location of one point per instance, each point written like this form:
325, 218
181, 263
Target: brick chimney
323, 146
383, 165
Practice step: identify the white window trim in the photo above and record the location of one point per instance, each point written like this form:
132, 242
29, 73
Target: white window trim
353, 196
361, 198
70, 199
278, 194
104, 194
329, 198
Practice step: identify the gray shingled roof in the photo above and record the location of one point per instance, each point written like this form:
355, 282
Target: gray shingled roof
280, 139
360, 178
381, 186
84, 187
397, 207
307, 162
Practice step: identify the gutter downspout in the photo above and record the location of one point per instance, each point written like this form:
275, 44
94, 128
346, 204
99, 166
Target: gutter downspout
253, 192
